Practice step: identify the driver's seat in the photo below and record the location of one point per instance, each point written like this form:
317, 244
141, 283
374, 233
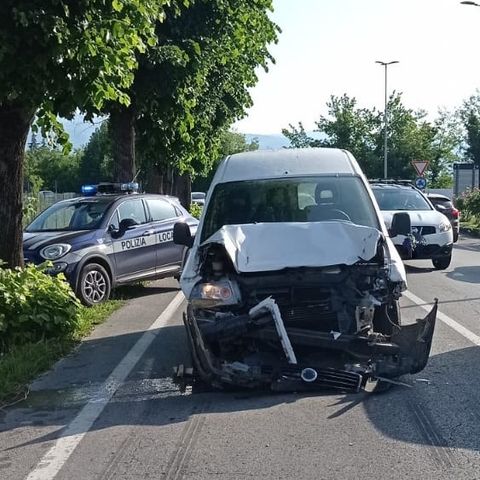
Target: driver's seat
326, 205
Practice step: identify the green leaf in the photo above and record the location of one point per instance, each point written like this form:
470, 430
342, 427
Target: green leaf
117, 5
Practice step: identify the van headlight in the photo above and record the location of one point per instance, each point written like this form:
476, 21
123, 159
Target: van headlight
214, 294
55, 251
445, 227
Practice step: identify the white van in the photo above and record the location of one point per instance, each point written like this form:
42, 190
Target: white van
292, 279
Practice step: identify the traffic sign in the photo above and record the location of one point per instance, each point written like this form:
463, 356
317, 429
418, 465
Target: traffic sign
420, 166
421, 183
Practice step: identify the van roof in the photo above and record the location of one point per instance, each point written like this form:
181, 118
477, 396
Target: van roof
287, 162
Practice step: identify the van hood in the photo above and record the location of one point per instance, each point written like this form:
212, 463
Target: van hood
264, 247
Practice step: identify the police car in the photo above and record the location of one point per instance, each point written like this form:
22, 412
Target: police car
110, 236
431, 231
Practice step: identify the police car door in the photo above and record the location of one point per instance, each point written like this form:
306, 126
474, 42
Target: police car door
164, 215
134, 249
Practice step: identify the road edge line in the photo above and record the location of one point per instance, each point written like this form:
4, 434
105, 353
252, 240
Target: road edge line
465, 332
51, 463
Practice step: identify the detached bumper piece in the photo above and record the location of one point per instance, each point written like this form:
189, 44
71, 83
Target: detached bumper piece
341, 362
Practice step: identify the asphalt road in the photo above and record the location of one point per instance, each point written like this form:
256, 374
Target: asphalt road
110, 412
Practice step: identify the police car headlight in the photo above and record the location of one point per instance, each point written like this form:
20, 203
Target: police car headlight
52, 252
212, 294
445, 227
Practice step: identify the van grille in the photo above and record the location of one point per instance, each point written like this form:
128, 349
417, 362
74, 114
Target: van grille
309, 308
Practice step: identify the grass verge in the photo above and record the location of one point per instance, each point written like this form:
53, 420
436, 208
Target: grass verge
20, 365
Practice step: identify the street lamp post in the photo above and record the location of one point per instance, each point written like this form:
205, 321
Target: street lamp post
385, 117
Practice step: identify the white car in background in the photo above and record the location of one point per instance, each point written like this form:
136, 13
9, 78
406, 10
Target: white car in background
432, 235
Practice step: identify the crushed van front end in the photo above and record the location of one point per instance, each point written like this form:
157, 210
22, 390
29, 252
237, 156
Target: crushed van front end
297, 328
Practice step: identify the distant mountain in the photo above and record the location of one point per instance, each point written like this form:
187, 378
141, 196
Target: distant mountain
266, 142
80, 132
276, 140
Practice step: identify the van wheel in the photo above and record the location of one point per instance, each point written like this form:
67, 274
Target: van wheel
94, 285
442, 263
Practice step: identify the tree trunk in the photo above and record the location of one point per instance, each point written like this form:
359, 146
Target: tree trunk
183, 189
122, 127
168, 182
154, 180
15, 123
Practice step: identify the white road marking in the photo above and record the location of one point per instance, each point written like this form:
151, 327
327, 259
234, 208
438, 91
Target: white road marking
57, 456
465, 332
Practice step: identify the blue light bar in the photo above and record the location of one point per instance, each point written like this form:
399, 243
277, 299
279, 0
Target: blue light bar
89, 190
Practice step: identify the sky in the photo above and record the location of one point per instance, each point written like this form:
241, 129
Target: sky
329, 47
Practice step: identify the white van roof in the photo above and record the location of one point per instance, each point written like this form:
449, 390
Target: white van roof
287, 162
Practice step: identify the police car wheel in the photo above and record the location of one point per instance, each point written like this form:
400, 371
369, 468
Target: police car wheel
94, 285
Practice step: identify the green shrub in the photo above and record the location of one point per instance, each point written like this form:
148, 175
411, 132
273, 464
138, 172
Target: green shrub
195, 210
472, 202
460, 203
35, 306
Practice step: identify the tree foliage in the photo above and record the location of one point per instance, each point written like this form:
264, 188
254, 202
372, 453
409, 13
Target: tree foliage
469, 115
195, 81
361, 131
230, 143
57, 170
74, 54
96, 163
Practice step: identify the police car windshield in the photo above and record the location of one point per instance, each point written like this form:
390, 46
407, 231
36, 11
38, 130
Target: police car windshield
400, 199
84, 214
294, 199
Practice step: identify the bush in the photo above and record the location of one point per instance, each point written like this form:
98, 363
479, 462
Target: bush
35, 306
460, 203
472, 202
195, 210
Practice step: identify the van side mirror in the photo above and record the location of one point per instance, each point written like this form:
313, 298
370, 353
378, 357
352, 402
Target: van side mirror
401, 224
182, 234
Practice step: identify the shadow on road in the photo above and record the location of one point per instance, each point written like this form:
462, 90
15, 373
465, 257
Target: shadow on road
469, 274
441, 411
413, 270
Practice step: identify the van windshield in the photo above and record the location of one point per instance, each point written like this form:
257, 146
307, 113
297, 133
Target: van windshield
297, 199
